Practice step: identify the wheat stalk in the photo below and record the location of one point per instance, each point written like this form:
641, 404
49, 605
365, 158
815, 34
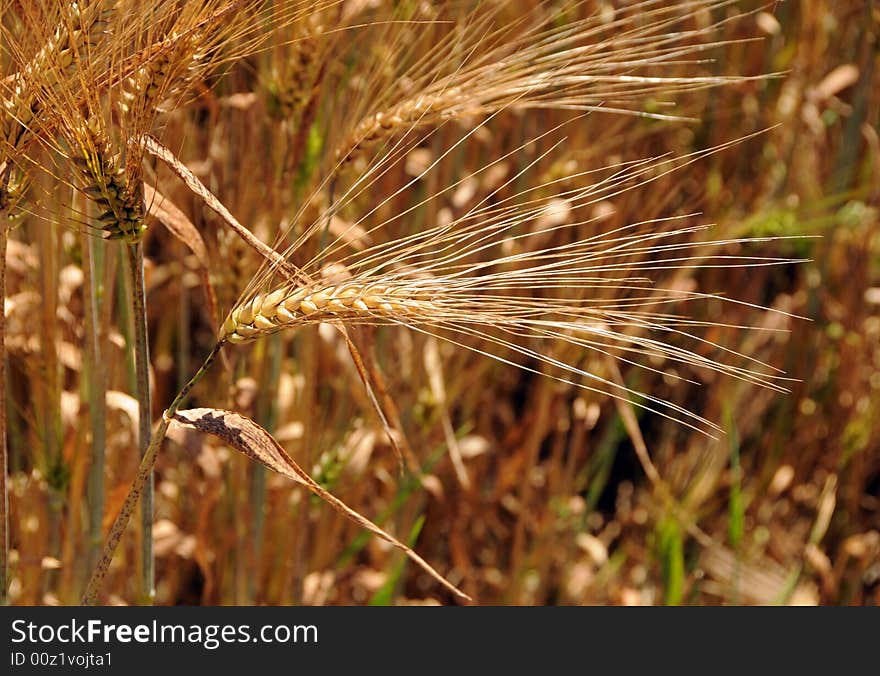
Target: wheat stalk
142, 479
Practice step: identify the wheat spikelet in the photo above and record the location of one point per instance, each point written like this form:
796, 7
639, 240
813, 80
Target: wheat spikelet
293, 81
106, 184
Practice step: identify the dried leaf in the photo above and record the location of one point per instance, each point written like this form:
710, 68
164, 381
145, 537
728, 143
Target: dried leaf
169, 215
164, 210
120, 401
189, 178
244, 435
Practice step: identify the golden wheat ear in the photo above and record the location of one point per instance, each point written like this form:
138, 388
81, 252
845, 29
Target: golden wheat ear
44, 44
478, 282
295, 71
620, 61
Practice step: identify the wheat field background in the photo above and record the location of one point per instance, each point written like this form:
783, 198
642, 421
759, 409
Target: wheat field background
529, 303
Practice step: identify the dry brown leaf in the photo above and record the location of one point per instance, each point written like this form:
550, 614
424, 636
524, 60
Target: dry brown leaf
169, 215
243, 434
197, 187
164, 210
120, 401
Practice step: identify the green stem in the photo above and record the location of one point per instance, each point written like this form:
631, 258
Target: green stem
142, 375
96, 393
143, 475
267, 413
48, 411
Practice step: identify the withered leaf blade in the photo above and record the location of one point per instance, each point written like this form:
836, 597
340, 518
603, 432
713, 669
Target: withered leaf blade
246, 436
179, 225
155, 148
164, 210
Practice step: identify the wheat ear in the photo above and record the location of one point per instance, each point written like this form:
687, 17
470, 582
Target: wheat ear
105, 183
55, 64
292, 305
590, 65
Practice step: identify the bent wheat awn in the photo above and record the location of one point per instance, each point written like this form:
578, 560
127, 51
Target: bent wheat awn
540, 61
478, 278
